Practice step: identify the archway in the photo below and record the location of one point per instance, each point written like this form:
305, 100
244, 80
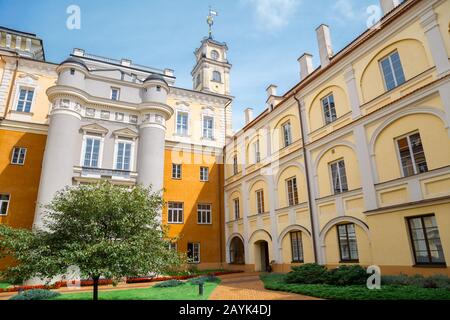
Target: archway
237, 253
262, 262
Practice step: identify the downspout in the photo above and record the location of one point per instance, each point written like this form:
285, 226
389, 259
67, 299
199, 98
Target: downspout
308, 182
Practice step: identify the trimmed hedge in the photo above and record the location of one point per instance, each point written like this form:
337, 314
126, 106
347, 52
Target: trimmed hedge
431, 282
316, 274
169, 284
38, 294
203, 279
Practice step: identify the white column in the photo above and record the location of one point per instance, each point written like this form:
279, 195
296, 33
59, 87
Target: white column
5, 84
430, 25
365, 168
245, 199
8, 40
444, 92
273, 219
60, 156
206, 77
352, 90
226, 219
28, 45
18, 42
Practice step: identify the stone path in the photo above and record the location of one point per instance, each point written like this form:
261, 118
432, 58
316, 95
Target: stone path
248, 286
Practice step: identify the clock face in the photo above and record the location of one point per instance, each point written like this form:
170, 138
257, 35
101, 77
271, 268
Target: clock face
214, 55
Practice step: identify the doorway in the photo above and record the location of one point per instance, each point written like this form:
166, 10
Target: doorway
262, 252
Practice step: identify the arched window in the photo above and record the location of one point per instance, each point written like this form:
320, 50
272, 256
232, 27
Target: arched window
237, 251
217, 77
214, 55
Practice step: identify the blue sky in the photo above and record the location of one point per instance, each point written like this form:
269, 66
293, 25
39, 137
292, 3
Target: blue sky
265, 37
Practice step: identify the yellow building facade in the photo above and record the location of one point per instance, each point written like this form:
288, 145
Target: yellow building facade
352, 165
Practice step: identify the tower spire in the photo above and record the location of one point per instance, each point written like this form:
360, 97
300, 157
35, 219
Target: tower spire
210, 20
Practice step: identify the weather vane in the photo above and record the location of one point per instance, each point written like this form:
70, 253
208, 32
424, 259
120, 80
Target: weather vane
210, 20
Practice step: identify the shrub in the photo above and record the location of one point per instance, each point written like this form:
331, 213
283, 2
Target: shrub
347, 276
168, 284
310, 273
38, 294
203, 279
431, 282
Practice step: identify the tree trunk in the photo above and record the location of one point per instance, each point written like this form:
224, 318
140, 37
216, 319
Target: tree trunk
96, 280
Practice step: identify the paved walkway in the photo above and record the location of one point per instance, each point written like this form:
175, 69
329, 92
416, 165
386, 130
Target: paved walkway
248, 286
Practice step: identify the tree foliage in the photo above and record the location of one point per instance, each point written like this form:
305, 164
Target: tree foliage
106, 230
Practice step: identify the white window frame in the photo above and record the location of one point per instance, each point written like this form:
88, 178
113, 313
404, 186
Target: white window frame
411, 154
118, 94
120, 115
237, 209
17, 98
260, 201
340, 178
83, 149
178, 212
181, 171
283, 127
116, 152
204, 116
195, 244
2, 202
207, 212
18, 158
257, 151
294, 191
389, 58
202, 174
188, 123
327, 97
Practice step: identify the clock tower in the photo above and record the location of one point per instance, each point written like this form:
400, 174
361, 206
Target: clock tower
212, 70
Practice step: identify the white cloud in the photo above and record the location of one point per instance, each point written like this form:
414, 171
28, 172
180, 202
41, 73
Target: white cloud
274, 14
344, 11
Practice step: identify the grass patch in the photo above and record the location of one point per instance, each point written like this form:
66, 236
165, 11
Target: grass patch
183, 292
4, 285
387, 292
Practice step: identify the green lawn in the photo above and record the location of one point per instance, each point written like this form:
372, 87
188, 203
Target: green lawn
4, 285
387, 292
183, 292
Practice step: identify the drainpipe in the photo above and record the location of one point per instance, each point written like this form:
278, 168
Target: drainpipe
308, 183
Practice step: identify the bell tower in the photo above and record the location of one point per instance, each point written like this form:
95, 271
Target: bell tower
212, 69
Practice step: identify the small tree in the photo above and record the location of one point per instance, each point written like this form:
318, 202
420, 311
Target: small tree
106, 230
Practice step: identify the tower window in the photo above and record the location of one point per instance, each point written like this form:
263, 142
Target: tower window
72, 72
197, 81
217, 77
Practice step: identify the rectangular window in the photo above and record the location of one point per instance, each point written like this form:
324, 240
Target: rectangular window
260, 201
412, 155
339, 176
426, 241
347, 243
297, 246
176, 171
193, 252
392, 71
292, 191
119, 116
123, 160
18, 156
92, 152
25, 100
329, 109
4, 204
105, 114
133, 119
235, 165
257, 151
204, 214
287, 135
133, 77
182, 123
115, 94
173, 246
175, 212
208, 127
237, 214
90, 112
204, 174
